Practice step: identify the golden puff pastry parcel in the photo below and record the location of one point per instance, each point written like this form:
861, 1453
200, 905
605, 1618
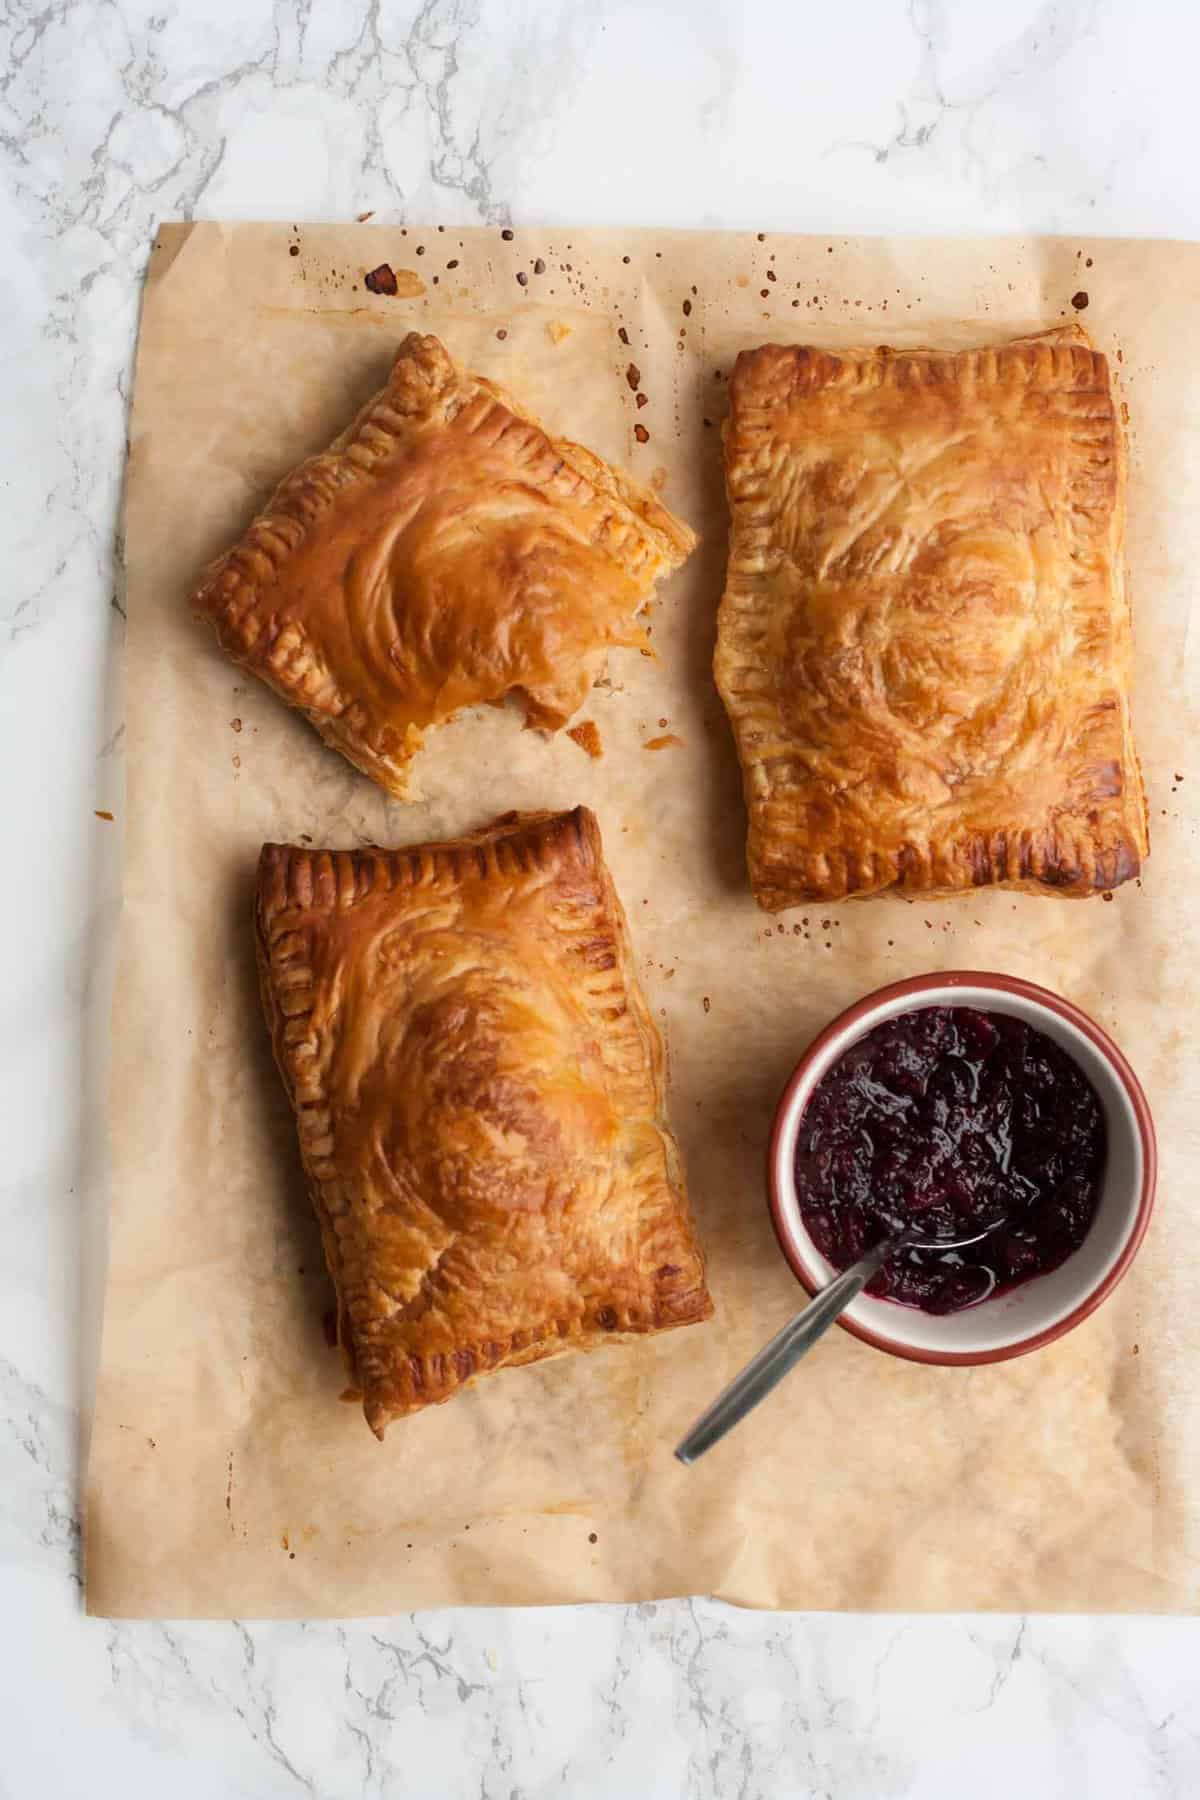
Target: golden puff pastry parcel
924, 641
479, 1092
444, 552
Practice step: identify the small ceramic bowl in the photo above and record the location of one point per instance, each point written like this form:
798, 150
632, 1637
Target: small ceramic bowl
1042, 1309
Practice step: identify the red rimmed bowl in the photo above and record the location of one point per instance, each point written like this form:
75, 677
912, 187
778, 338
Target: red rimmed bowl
1040, 1310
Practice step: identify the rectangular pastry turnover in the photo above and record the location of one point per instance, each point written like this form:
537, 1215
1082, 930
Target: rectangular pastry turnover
444, 552
478, 1087
924, 642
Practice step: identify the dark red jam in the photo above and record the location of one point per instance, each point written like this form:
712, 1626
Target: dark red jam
949, 1119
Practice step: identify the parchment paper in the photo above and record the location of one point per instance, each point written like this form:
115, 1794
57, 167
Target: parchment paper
226, 1475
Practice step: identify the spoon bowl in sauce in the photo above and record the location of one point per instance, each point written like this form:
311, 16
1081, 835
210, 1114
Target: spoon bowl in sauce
776, 1359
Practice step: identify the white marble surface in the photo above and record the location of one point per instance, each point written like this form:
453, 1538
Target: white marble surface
114, 114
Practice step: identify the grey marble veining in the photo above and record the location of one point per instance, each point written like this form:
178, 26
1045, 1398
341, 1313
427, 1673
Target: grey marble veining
871, 116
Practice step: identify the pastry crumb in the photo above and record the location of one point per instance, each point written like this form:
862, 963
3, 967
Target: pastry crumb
102, 813
587, 736
668, 741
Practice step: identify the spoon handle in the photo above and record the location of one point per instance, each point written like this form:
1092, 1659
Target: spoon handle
784, 1351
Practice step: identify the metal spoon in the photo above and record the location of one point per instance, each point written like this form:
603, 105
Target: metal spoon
765, 1371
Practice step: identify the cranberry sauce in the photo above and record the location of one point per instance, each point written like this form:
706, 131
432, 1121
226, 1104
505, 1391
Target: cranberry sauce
948, 1119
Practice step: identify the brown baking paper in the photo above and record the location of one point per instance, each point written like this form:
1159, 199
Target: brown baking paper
227, 1475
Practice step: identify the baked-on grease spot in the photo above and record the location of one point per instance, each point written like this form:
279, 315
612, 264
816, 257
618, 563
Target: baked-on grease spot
293, 249
587, 736
453, 263
502, 335
103, 813
539, 267
1079, 300
687, 309
642, 400
593, 1538
622, 334
420, 249
643, 437
668, 741
1106, 896
706, 1003
381, 280
771, 275
633, 376
1088, 263
363, 217
235, 724
1136, 1351
1124, 413
522, 278
507, 235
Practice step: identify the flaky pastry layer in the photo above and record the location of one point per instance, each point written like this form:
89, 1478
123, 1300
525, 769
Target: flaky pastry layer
924, 642
479, 1092
444, 552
